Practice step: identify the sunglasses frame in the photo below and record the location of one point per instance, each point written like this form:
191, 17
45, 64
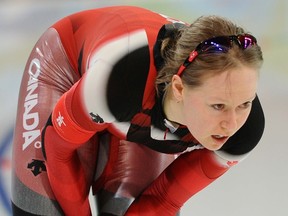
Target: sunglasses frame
220, 44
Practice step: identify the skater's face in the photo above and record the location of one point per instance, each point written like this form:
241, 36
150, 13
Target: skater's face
218, 108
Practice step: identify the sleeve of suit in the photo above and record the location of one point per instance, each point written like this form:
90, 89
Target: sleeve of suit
187, 175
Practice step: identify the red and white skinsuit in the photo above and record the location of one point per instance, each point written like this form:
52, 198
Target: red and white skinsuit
91, 75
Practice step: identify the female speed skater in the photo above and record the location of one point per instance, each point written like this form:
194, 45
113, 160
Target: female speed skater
143, 109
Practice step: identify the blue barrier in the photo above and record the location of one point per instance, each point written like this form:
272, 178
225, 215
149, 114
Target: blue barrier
5, 144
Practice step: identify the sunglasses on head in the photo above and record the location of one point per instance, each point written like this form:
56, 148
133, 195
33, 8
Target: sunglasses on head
220, 44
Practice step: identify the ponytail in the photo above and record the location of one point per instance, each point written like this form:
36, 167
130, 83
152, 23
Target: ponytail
166, 43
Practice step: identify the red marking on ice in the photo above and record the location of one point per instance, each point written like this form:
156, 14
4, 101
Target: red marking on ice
5, 163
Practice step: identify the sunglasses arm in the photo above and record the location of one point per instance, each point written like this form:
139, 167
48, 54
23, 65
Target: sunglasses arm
187, 62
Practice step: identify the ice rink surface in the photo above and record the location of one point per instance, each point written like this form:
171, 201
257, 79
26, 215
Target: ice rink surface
256, 187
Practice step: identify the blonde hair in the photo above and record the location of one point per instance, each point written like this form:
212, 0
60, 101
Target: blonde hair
176, 49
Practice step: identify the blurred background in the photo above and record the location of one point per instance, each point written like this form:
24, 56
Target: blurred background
257, 186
